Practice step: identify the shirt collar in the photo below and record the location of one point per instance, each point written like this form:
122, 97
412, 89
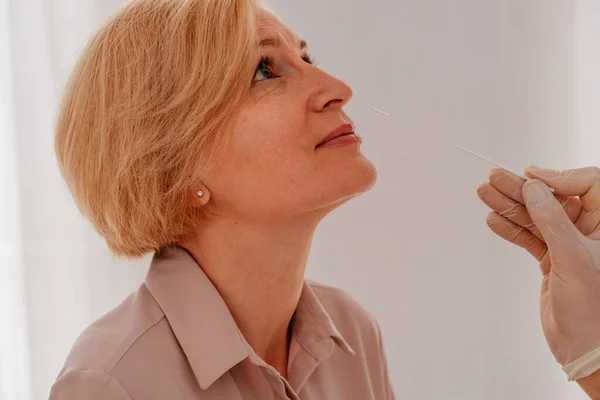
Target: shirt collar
203, 324
311, 320
196, 313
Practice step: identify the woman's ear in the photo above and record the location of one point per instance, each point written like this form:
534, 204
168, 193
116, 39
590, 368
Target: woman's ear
198, 195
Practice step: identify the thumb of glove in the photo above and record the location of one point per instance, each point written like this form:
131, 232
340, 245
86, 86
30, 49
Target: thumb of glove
560, 234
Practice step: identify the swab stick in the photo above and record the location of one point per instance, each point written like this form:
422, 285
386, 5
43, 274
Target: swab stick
459, 147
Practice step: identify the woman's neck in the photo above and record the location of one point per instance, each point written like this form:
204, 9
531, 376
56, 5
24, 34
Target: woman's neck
259, 272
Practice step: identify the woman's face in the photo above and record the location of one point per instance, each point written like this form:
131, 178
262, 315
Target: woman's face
275, 166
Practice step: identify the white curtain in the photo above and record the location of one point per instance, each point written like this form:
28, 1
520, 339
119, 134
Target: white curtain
14, 355
56, 275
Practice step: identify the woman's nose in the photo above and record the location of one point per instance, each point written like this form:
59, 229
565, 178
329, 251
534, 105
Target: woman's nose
331, 93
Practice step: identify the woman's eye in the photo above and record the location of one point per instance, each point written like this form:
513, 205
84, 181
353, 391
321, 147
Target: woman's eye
309, 59
264, 71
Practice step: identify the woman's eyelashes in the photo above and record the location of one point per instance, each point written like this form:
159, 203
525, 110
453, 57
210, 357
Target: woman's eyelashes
309, 59
266, 68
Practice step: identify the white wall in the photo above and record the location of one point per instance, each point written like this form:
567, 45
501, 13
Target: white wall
587, 84
458, 307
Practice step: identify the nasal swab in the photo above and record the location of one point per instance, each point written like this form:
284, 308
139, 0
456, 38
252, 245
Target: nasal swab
483, 158
472, 153
459, 147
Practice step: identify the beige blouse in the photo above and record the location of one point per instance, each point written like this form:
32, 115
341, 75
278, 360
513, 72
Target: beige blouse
175, 339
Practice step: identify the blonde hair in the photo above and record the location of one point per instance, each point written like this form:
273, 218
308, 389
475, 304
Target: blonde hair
147, 107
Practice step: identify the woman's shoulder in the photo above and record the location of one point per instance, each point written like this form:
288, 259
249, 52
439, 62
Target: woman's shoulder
107, 340
109, 352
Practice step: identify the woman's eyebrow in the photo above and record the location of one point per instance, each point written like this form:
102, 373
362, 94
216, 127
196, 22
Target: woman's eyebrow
273, 42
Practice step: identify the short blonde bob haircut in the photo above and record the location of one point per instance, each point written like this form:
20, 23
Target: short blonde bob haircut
147, 108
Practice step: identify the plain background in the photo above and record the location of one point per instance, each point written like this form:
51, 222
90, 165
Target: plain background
459, 307
512, 79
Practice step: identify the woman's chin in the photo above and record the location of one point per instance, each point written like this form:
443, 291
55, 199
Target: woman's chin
357, 179
364, 175
337, 185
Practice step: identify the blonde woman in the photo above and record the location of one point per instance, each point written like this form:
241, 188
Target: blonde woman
200, 131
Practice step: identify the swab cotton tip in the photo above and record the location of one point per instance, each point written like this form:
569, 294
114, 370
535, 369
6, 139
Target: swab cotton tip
377, 110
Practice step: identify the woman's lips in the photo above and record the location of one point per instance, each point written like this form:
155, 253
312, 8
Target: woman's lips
344, 135
341, 140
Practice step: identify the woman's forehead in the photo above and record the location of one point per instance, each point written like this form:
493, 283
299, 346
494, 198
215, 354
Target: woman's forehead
271, 27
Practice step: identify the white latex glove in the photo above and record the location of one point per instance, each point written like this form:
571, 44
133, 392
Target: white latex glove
562, 231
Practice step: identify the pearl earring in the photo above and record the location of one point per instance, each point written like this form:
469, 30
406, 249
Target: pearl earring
200, 193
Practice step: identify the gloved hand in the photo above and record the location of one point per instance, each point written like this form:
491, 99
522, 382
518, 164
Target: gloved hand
562, 231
